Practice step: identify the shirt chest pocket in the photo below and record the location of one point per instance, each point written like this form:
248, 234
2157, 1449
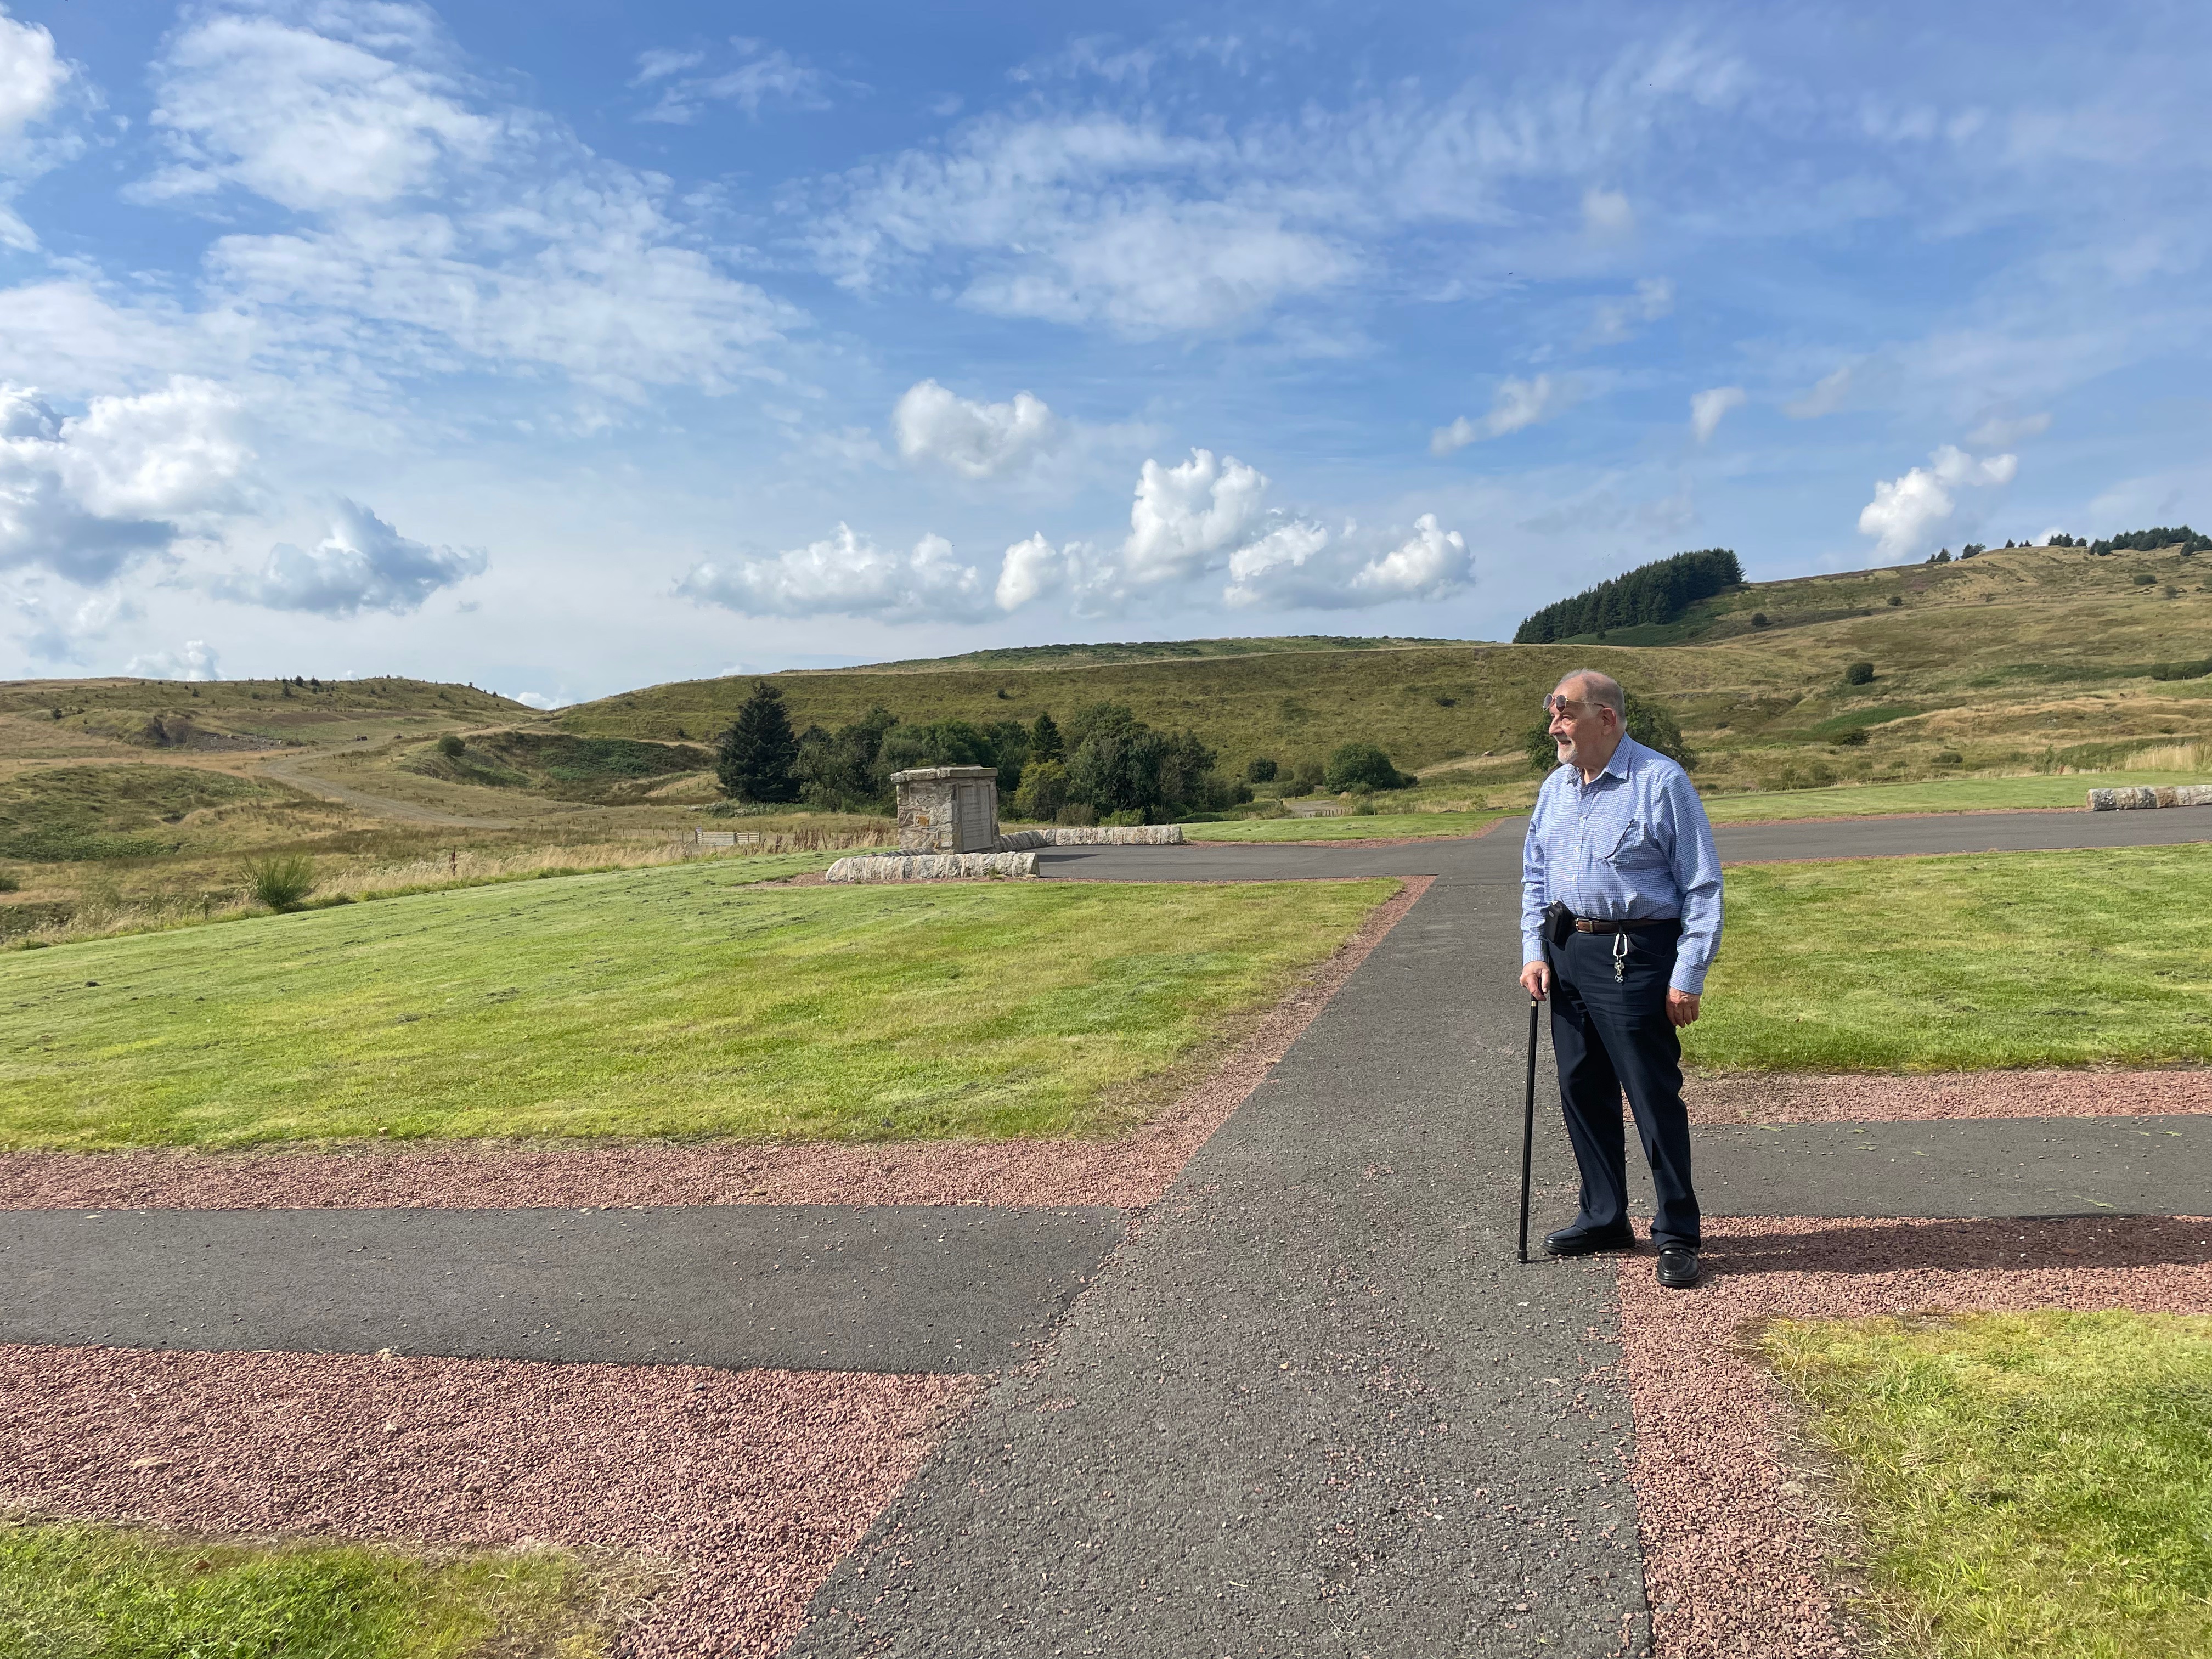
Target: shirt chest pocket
1636, 848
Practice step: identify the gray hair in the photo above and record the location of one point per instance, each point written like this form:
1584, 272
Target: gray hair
1600, 689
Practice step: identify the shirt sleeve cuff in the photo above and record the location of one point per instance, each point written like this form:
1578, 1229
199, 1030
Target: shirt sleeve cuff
1690, 980
1532, 948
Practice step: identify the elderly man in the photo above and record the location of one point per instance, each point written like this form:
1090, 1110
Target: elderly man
1620, 914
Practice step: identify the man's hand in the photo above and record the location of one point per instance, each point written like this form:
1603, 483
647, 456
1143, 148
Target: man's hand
1536, 981
1681, 1007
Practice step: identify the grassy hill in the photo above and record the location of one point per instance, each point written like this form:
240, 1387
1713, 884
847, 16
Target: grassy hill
2021, 657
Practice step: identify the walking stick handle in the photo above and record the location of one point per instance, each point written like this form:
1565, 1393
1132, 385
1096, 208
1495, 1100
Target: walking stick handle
1529, 1128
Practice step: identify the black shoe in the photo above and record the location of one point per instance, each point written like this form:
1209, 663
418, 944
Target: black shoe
1588, 1241
1678, 1267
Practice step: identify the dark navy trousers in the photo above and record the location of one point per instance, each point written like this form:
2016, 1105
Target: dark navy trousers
1609, 1034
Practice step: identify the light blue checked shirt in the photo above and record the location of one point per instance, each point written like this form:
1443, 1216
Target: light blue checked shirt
1634, 844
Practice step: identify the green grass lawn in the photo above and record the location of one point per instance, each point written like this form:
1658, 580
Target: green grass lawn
673, 1001
1382, 825
69, 1591
2027, 1484
1948, 795
1963, 962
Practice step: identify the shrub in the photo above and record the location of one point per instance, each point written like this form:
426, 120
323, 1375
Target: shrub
1310, 772
280, 880
1949, 757
1260, 769
1859, 674
1652, 725
2143, 579
2181, 671
1854, 739
1759, 619
1130, 816
1896, 599
1363, 766
1363, 808
1294, 788
1077, 815
1543, 754
10, 884
1043, 792
451, 747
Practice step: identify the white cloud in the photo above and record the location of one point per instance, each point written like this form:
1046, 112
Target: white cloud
1299, 564
1707, 407
845, 573
1607, 213
1429, 564
1278, 566
437, 226
766, 77
1615, 320
977, 440
1825, 398
540, 700
32, 76
363, 565
1030, 570
1997, 433
196, 661
1905, 511
1517, 403
64, 632
1185, 513
84, 495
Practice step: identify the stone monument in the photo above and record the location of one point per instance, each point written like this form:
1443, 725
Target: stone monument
948, 809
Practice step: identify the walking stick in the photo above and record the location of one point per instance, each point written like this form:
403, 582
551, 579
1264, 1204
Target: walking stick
1529, 1128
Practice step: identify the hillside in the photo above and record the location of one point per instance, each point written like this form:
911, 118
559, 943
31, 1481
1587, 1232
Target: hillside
2022, 657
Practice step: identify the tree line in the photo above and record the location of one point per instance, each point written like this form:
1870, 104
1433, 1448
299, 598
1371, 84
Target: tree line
1105, 766
1655, 592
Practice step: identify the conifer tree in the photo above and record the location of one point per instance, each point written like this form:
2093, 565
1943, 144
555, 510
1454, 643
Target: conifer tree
1044, 739
756, 759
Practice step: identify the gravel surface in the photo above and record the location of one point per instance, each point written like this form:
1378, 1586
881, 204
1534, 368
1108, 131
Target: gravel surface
749, 1485
1126, 1173
1733, 1544
1811, 1097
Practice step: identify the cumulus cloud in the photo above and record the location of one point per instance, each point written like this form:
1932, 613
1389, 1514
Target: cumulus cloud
845, 573
1825, 398
977, 440
84, 495
35, 81
1905, 513
1615, 320
194, 661
765, 75
438, 223
1517, 403
1997, 433
1707, 407
363, 565
1030, 570
541, 700
1607, 213
1300, 564
1183, 514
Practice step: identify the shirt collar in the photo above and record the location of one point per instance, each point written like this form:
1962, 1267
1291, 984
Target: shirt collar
1616, 767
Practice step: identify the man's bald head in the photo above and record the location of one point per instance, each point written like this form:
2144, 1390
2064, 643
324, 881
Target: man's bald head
1587, 685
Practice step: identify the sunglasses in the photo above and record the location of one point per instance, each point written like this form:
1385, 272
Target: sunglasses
1556, 704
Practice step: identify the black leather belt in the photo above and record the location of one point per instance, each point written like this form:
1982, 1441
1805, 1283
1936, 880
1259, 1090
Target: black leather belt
1591, 925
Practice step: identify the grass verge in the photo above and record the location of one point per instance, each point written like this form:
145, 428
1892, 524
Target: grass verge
2027, 1484
1390, 826
1955, 964
671, 1002
1948, 795
80, 1590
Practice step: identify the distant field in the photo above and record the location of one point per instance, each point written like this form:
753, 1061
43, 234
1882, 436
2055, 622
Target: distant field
674, 1001
1384, 826
2018, 959
1951, 795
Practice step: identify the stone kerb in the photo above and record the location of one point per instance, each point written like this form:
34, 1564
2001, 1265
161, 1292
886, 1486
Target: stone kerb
2143, 798
947, 809
1110, 834
932, 866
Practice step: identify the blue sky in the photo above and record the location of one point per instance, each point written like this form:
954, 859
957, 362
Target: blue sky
571, 347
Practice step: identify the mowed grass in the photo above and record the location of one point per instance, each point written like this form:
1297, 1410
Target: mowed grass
2026, 1485
2011, 959
73, 1591
665, 1002
1947, 795
1381, 826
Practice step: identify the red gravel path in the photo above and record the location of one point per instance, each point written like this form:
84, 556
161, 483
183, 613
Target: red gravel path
1732, 1550
1808, 1097
752, 1483
1129, 1172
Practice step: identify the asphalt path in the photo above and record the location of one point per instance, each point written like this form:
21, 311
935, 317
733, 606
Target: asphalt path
804, 1287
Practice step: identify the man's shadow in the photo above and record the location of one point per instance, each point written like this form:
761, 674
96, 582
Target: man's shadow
1996, 1244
